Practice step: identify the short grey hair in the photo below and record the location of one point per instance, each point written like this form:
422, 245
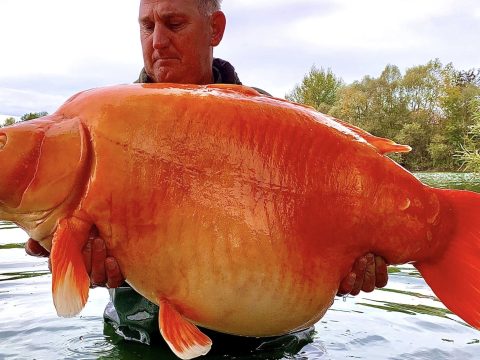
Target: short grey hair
208, 7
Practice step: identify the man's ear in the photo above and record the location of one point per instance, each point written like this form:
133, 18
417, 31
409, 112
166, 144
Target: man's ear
218, 23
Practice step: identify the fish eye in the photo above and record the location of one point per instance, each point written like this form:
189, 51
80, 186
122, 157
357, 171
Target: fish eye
3, 140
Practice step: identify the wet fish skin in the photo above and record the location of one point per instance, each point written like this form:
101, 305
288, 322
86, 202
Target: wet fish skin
231, 210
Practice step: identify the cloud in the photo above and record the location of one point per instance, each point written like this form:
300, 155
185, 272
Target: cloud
54, 48
53, 36
46, 92
274, 44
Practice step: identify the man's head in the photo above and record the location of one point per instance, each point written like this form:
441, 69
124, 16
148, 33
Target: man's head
208, 7
178, 37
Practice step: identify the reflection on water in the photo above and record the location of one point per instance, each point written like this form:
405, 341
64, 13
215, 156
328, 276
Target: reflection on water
460, 181
6, 225
410, 293
408, 308
21, 274
12, 246
236, 347
405, 271
403, 321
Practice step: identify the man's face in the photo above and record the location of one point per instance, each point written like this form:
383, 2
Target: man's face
177, 41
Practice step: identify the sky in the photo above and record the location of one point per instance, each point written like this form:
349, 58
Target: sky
52, 49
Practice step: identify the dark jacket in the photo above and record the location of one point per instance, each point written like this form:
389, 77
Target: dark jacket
223, 73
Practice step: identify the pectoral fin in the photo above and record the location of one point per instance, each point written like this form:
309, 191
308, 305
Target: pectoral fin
183, 337
70, 280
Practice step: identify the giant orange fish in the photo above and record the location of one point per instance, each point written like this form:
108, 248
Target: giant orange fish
230, 210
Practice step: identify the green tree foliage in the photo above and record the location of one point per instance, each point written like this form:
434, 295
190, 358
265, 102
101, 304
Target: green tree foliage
470, 152
34, 115
428, 108
319, 88
8, 121
376, 105
25, 117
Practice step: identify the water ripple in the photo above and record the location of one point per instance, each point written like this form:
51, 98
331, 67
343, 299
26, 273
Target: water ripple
91, 345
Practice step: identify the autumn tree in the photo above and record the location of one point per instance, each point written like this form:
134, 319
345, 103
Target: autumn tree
429, 108
319, 88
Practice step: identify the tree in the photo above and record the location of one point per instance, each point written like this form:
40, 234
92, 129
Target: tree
25, 117
414, 134
352, 104
440, 151
423, 86
8, 121
458, 107
469, 77
319, 89
429, 108
33, 115
470, 152
375, 104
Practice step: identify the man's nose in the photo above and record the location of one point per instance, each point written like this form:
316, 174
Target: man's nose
160, 36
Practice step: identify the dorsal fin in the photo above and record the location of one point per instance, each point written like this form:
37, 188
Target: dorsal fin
383, 146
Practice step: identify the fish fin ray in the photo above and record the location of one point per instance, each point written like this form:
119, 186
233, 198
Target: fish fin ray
454, 276
183, 337
383, 146
70, 280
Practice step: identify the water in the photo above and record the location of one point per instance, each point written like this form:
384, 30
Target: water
401, 322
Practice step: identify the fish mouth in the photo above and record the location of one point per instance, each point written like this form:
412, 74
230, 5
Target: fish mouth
40, 225
20, 147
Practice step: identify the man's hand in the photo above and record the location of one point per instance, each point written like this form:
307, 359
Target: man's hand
103, 269
368, 272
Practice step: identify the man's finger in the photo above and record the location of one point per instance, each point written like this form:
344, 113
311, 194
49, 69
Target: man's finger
99, 253
381, 276
370, 272
359, 270
33, 248
87, 255
114, 275
346, 285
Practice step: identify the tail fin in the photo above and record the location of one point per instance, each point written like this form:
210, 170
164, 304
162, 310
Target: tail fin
455, 276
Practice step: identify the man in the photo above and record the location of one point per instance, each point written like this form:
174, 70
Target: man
178, 37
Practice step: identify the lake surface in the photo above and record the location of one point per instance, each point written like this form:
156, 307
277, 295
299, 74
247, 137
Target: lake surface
403, 321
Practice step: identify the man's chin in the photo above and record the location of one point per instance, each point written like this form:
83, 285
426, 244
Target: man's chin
166, 76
